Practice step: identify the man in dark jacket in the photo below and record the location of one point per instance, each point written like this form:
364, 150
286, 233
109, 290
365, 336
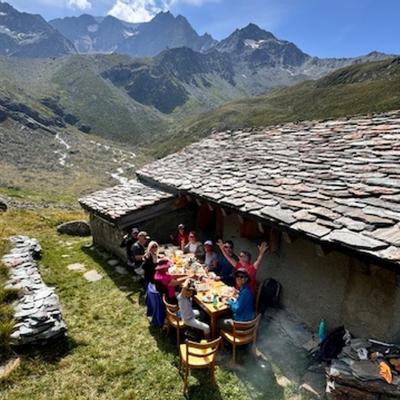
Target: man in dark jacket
138, 249
127, 242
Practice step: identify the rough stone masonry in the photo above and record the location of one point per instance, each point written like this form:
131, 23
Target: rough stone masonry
37, 311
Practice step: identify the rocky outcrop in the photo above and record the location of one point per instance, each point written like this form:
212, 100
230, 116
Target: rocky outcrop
30, 36
27, 116
74, 228
37, 311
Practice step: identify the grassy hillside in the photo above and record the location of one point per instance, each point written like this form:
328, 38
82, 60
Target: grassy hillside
362, 88
42, 168
109, 111
76, 86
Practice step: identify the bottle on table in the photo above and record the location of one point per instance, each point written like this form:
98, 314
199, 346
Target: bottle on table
215, 300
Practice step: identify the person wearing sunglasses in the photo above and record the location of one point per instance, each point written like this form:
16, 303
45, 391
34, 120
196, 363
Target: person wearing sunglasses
245, 262
243, 307
150, 260
225, 270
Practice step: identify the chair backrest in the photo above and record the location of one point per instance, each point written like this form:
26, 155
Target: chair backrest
171, 315
248, 328
204, 349
173, 307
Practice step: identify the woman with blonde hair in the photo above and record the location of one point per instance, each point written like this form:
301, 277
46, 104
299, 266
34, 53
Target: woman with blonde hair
150, 260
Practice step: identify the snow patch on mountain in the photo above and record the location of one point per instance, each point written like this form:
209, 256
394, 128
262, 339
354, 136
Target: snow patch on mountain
254, 44
93, 28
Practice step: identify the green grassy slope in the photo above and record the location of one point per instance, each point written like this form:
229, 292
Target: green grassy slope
110, 112
76, 85
361, 88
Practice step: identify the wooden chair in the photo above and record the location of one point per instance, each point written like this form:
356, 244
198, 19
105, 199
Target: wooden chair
243, 333
173, 320
198, 355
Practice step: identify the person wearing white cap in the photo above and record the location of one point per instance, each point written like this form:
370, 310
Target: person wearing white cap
211, 258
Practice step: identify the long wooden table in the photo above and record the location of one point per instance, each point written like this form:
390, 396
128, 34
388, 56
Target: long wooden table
214, 312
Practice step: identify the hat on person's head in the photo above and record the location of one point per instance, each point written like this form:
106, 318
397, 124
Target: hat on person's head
190, 285
163, 264
144, 234
208, 243
242, 271
135, 230
181, 226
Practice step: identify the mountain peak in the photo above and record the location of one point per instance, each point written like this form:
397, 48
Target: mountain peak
164, 16
253, 31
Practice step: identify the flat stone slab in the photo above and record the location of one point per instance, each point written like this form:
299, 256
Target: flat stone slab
77, 267
278, 214
390, 235
92, 276
356, 240
311, 228
121, 270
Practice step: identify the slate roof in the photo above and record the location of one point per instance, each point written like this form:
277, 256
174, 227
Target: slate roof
336, 181
118, 201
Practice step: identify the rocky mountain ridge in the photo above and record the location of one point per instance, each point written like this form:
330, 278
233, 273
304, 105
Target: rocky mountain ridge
109, 34
30, 36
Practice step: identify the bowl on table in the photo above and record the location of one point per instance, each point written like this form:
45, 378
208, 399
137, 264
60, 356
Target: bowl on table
207, 299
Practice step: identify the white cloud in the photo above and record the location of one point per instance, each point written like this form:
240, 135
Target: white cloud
135, 10
79, 4
193, 2
145, 10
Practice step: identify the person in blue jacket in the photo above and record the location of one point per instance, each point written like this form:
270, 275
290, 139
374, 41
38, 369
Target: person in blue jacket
242, 307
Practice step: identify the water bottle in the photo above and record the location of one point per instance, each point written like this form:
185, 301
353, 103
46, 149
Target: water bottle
215, 301
322, 330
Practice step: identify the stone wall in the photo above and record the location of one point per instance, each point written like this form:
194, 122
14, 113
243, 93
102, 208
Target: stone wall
336, 287
109, 236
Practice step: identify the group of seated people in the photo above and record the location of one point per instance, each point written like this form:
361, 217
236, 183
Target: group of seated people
235, 271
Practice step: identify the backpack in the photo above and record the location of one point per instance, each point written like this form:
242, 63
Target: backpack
331, 346
268, 295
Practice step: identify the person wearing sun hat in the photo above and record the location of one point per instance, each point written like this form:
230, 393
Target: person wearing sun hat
243, 307
164, 282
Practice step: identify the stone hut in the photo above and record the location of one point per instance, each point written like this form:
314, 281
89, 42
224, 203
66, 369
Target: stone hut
324, 194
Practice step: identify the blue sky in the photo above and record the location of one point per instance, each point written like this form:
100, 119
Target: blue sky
324, 28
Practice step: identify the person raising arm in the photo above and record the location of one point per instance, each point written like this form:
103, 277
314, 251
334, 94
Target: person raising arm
245, 262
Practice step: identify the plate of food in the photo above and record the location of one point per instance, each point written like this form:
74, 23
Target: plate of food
176, 271
202, 287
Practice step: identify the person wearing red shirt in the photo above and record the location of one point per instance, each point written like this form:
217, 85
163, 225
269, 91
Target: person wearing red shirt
245, 263
181, 238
